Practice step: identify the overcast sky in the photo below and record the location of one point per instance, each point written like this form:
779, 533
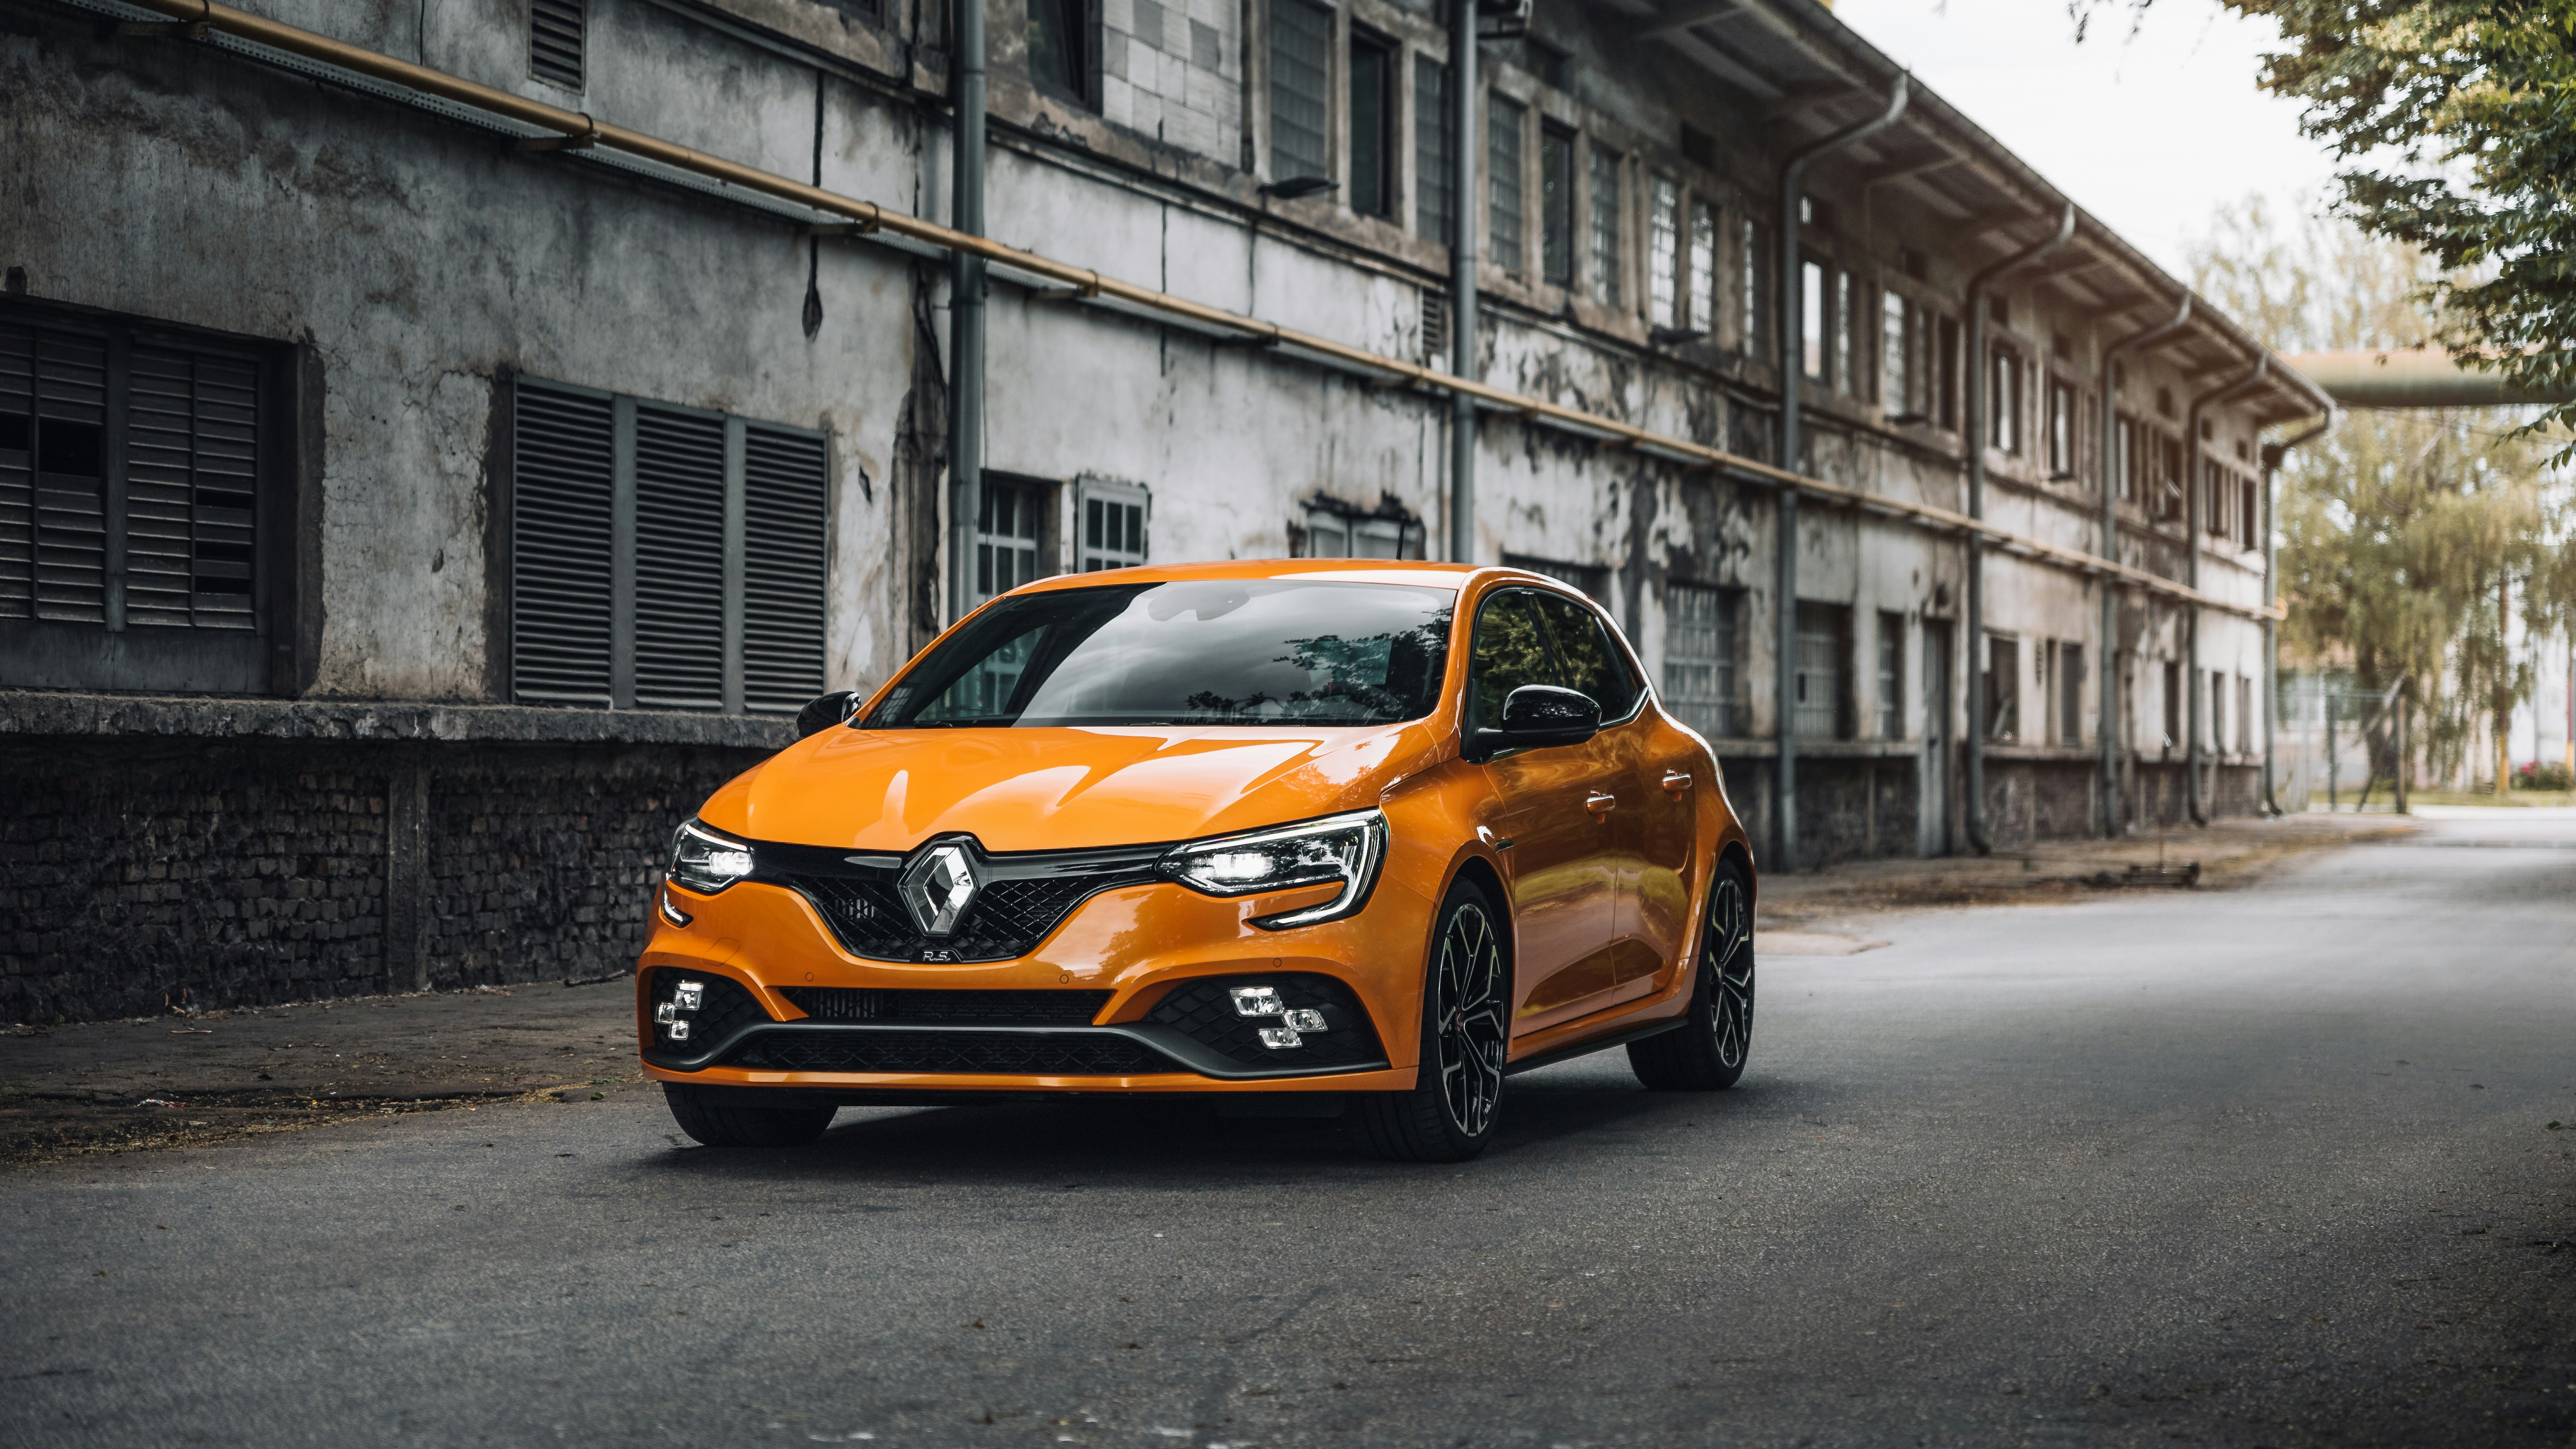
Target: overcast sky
2151, 132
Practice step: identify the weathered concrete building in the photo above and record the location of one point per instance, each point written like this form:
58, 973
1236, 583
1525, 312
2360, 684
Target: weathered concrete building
408, 512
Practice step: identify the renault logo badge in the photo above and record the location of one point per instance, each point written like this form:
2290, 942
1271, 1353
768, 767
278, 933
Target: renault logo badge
938, 887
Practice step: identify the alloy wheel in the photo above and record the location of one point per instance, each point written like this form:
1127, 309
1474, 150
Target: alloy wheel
1470, 1019
1727, 951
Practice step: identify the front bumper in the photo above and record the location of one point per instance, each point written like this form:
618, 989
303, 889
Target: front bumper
1128, 994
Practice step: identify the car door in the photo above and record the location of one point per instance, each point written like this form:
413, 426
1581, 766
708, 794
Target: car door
1646, 909
1558, 864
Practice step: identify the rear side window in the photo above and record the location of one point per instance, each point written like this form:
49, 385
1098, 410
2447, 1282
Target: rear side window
1586, 659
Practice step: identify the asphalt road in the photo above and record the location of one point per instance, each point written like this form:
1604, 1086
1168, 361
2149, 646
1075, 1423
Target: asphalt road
2261, 1167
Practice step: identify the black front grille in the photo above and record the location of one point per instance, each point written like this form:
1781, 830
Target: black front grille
1204, 1011
1022, 900
724, 1006
1070, 1054
969, 1008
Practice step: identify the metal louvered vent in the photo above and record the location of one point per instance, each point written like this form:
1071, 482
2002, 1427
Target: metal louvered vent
679, 567
783, 551
192, 469
17, 473
555, 40
560, 530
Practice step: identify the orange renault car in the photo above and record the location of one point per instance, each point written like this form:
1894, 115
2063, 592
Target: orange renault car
1385, 831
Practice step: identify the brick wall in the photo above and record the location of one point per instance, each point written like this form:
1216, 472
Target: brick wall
143, 872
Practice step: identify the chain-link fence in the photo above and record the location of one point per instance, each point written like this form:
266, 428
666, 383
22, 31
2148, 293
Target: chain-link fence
2335, 745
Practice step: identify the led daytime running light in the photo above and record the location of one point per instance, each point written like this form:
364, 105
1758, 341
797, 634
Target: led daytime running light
1343, 849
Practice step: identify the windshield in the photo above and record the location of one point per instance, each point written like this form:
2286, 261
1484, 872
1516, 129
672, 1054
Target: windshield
1207, 652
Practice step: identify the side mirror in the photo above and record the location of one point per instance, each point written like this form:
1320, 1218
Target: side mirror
824, 711
1536, 716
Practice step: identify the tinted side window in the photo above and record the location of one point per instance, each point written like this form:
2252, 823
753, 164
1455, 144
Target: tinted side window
1510, 651
1592, 663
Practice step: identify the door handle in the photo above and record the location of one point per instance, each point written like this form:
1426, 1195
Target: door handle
1676, 781
1599, 804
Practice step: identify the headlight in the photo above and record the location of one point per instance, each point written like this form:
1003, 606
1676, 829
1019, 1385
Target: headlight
1343, 849
705, 860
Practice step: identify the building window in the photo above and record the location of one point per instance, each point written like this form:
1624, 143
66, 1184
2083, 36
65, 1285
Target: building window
2061, 430
2124, 456
1699, 657
1011, 534
2244, 716
555, 35
1896, 345
2250, 516
1332, 532
1064, 51
1703, 270
1947, 379
1891, 675
1372, 188
144, 498
1847, 349
2217, 711
1503, 188
1663, 254
662, 557
1812, 306
1432, 211
2168, 484
1592, 579
2003, 402
1556, 205
1605, 226
1753, 285
2003, 687
1301, 40
1824, 643
2070, 694
1113, 524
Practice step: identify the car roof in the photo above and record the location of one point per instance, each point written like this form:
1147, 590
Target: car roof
1337, 570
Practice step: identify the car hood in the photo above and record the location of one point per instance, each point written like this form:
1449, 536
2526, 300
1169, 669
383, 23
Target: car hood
1058, 789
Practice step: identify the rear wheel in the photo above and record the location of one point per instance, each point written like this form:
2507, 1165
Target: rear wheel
1707, 1052
734, 1117
1457, 1093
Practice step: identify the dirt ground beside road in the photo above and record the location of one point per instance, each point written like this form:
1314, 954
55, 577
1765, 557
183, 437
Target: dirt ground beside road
194, 1080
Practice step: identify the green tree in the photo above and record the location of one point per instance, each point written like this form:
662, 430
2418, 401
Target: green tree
2460, 119
2406, 535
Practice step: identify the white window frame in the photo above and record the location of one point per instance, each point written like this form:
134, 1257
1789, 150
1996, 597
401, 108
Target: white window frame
1088, 556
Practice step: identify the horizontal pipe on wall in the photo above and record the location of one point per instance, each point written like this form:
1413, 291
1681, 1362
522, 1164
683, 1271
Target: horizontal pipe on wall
1088, 287
2414, 377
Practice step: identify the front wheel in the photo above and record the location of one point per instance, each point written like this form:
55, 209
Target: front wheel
1457, 1093
733, 1117
1706, 1054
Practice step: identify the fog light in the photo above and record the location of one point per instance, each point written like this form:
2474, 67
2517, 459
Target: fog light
1257, 1001
679, 1031
1281, 1038
1304, 1019
666, 1013
689, 995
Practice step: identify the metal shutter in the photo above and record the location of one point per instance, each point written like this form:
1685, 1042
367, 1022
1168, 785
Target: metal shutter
560, 515
192, 469
17, 473
60, 553
679, 559
554, 41
784, 490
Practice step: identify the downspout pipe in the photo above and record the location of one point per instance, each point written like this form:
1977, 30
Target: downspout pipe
1973, 428
1465, 360
1784, 789
2273, 453
966, 314
2195, 488
2113, 731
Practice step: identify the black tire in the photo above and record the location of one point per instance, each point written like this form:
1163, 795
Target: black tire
733, 1117
1707, 1053
1457, 1094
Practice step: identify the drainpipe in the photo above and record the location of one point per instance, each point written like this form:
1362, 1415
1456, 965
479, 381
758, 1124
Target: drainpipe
2112, 731
2194, 488
966, 315
1464, 360
1973, 423
2272, 455
1784, 788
